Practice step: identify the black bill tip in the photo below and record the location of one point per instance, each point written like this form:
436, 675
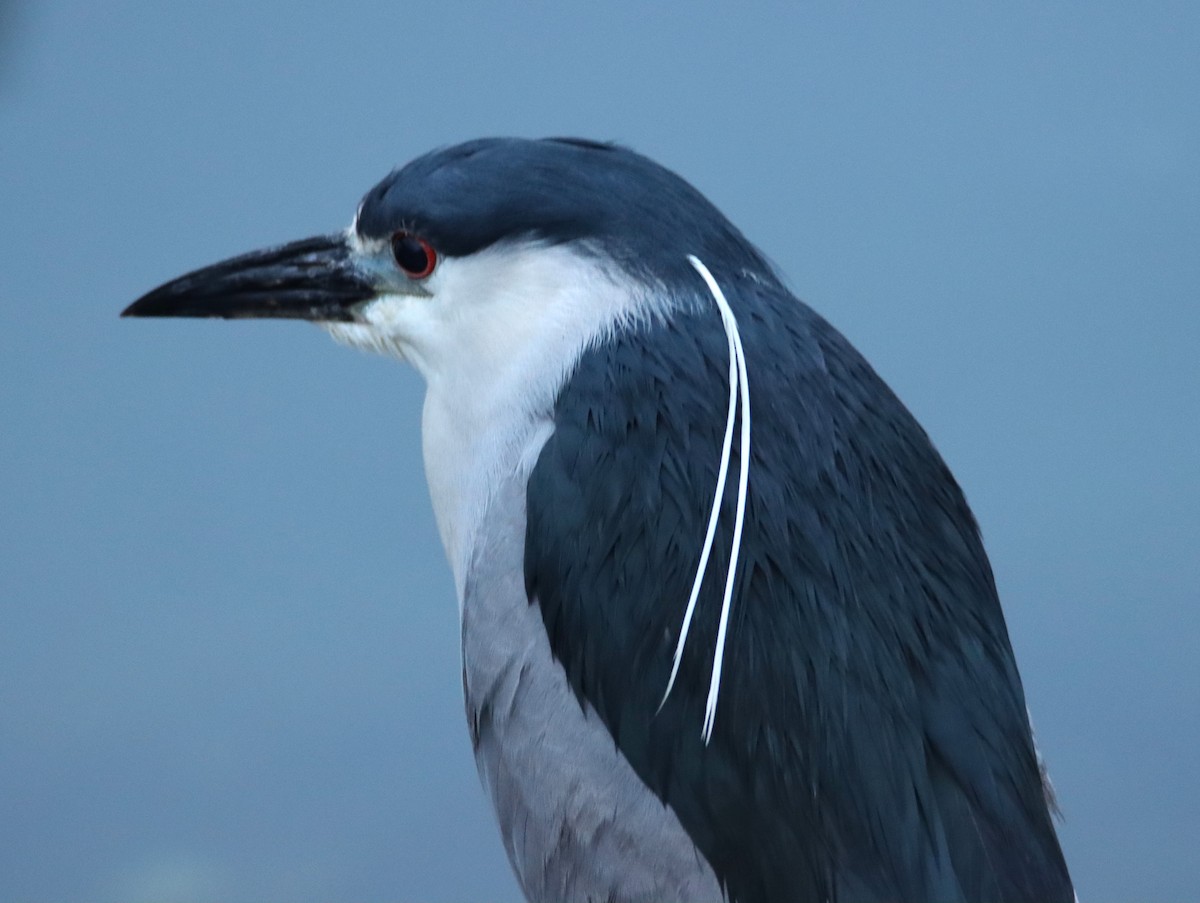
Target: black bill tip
312, 279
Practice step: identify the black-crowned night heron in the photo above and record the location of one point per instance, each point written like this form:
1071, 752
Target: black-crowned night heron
727, 623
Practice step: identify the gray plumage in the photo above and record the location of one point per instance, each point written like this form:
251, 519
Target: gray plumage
563, 793
872, 742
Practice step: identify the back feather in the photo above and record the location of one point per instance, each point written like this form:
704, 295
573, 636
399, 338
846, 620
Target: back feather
872, 742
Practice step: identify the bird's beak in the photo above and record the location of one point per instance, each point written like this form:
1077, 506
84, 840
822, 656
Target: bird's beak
313, 279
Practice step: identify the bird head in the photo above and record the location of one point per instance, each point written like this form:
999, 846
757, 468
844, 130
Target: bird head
479, 254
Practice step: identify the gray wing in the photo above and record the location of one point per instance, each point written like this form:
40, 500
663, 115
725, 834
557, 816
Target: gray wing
578, 823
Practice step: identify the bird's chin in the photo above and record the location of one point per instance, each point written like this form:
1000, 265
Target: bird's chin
368, 337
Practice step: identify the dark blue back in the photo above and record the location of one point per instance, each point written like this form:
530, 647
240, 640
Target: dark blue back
871, 740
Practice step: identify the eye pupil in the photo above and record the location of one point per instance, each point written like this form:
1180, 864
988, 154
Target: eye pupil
415, 256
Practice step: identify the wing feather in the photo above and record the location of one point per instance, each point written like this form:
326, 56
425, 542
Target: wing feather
872, 741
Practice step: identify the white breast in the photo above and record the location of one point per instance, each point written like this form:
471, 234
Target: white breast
496, 338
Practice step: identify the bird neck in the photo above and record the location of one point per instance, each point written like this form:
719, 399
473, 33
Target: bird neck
489, 406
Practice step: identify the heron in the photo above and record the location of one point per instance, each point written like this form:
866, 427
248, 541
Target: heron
728, 628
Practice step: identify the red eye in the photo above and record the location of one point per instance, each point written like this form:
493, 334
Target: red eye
414, 255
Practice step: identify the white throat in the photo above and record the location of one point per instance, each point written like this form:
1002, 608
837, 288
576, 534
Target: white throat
495, 341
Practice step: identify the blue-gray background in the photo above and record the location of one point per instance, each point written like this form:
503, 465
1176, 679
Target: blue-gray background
228, 654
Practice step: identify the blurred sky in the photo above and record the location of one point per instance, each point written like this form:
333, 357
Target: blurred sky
228, 639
